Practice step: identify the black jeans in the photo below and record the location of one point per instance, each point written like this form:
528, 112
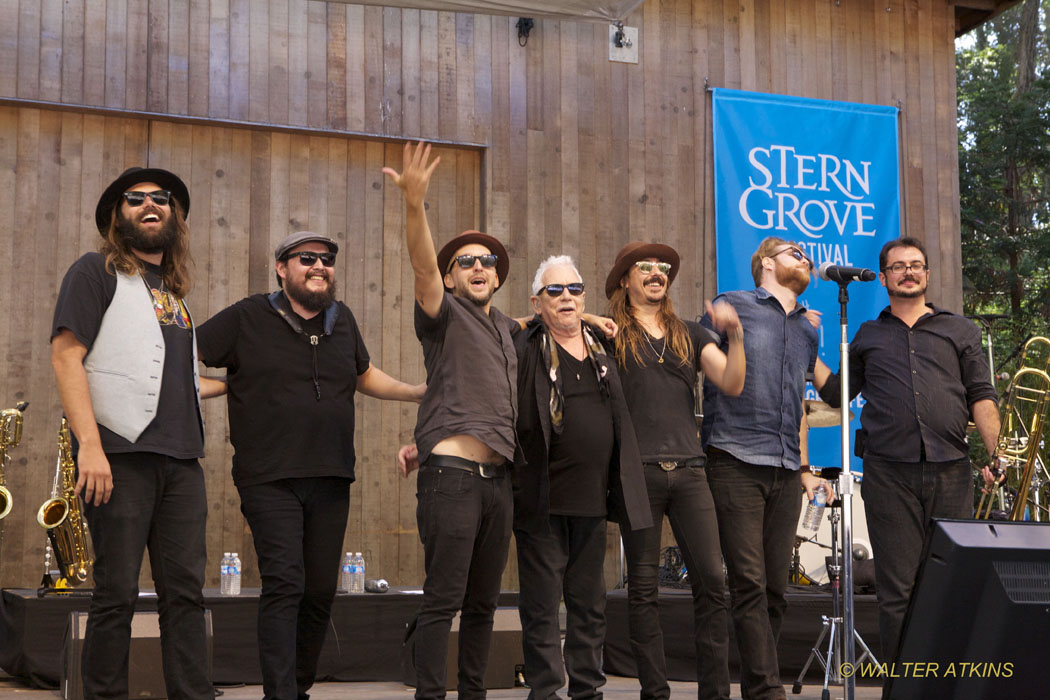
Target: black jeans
567, 561
158, 502
900, 499
297, 527
684, 496
758, 509
464, 523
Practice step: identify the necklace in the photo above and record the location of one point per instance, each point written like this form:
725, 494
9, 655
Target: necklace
659, 355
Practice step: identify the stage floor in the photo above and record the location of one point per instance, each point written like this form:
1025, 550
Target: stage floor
618, 688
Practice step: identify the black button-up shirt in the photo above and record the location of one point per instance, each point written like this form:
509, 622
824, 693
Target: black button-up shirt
919, 383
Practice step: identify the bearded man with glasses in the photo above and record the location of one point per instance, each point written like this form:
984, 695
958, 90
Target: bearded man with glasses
294, 360
581, 468
924, 375
757, 459
124, 353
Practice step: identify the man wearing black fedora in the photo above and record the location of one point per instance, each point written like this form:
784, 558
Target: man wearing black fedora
123, 348
465, 437
659, 356
294, 360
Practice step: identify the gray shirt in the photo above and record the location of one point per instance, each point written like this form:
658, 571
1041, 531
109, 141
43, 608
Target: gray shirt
472, 371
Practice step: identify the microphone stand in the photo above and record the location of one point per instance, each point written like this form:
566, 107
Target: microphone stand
845, 493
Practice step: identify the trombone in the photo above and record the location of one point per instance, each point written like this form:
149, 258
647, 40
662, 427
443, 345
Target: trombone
1020, 465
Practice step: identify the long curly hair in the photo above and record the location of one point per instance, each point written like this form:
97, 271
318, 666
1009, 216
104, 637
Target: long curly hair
629, 338
175, 266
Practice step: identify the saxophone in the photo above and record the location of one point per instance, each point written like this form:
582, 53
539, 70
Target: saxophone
10, 436
61, 516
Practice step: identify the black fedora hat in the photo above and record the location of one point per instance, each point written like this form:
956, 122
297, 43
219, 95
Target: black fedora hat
444, 256
131, 177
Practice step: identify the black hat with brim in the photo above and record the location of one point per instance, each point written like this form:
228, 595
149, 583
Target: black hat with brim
444, 256
134, 176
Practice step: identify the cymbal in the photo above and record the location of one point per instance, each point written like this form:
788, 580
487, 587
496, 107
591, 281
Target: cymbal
821, 415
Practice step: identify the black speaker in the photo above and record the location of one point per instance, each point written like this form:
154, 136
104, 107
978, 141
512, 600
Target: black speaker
978, 624
145, 668
505, 655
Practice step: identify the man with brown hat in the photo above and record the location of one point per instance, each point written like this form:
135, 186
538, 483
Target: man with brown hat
294, 360
465, 438
659, 356
124, 353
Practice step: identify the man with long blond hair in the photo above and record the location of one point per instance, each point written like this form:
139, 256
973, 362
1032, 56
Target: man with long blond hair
124, 353
659, 356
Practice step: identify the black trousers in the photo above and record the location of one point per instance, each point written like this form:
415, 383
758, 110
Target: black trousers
297, 526
158, 503
684, 496
567, 561
464, 523
900, 501
758, 508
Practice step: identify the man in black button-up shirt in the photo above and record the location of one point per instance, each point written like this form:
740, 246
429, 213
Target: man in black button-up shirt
923, 375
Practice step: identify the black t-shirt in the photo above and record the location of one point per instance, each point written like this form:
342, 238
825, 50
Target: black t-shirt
661, 398
278, 426
83, 299
579, 458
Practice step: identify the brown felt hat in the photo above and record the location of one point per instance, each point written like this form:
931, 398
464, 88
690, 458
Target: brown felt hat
131, 177
632, 253
444, 256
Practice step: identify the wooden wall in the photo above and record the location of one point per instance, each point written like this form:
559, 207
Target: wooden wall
280, 115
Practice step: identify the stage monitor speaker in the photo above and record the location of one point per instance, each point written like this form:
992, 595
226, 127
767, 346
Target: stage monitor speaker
145, 668
505, 655
978, 626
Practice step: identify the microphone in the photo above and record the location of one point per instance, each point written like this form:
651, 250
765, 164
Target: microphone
841, 273
380, 585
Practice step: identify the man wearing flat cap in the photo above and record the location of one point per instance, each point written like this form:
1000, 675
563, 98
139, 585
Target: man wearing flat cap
659, 356
465, 438
294, 359
123, 349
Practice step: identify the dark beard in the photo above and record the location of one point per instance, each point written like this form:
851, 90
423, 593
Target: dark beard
132, 234
905, 294
311, 301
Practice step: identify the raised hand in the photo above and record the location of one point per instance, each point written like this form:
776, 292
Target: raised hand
415, 178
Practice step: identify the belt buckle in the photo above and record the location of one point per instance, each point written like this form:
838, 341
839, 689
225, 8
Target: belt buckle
482, 473
668, 466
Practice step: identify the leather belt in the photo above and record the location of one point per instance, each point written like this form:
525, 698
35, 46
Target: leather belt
669, 465
485, 471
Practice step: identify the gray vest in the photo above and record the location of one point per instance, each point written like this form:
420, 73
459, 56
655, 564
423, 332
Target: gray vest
126, 363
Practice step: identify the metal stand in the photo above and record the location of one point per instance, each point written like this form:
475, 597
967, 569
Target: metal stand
832, 660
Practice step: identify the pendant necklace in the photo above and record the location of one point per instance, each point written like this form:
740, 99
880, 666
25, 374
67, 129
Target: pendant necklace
660, 355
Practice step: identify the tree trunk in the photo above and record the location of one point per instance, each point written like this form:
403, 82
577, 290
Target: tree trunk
1026, 46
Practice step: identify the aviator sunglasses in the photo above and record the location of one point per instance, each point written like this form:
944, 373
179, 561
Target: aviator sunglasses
307, 259
137, 199
467, 261
647, 266
555, 290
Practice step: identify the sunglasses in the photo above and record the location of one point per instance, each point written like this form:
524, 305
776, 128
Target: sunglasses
796, 254
646, 267
555, 290
137, 199
467, 261
307, 259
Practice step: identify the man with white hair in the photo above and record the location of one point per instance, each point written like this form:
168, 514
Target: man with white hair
582, 467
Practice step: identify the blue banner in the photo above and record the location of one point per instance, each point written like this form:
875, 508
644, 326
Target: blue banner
818, 173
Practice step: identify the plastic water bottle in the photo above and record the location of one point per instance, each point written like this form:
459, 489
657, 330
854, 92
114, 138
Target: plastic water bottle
815, 509
345, 573
235, 575
224, 574
357, 575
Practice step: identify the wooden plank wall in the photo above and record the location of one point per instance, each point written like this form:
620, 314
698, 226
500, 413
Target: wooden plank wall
579, 155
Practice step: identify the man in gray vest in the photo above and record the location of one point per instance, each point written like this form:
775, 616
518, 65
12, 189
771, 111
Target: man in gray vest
124, 353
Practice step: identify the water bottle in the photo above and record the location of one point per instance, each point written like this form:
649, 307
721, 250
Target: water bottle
357, 575
235, 575
224, 574
815, 509
345, 573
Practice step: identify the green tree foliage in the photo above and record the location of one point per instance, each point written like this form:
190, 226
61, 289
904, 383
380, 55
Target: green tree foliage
1003, 74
